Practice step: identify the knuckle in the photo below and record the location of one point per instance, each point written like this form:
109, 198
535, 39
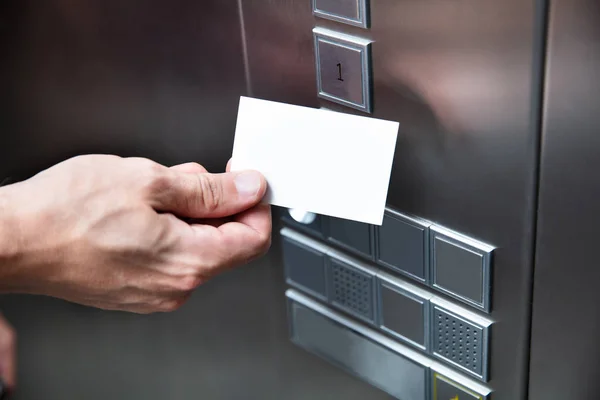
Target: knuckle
169, 306
188, 283
211, 193
157, 182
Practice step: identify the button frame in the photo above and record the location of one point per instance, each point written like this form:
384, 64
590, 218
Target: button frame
411, 293
413, 223
466, 244
352, 43
362, 7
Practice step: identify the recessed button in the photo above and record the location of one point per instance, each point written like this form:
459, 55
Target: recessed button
343, 71
403, 310
402, 244
461, 267
352, 12
352, 235
446, 389
305, 268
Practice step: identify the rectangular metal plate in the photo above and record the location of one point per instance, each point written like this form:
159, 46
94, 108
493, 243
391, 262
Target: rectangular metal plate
343, 68
397, 375
403, 313
402, 245
305, 268
352, 12
351, 235
461, 267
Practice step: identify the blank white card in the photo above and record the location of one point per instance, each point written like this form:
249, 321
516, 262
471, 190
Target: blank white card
315, 160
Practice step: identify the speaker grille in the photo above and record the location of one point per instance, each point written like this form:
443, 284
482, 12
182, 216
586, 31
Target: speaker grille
352, 290
458, 341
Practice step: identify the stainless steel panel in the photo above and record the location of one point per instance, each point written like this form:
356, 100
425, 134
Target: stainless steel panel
353, 12
343, 68
336, 339
565, 357
462, 79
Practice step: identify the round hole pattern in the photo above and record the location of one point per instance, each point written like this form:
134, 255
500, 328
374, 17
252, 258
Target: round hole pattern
352, 290
456, 341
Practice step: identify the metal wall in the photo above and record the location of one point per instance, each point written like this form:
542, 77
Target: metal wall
565, 357
463, 79
161, 80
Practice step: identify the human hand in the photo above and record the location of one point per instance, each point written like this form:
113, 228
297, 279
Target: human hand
109, 232
8, 351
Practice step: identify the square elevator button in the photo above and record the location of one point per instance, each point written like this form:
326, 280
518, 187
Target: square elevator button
352, 235
402, 245
403, 311
305, 268
461, 267
343, 68
352, 12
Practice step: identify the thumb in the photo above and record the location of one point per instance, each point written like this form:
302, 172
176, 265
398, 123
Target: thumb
205, 195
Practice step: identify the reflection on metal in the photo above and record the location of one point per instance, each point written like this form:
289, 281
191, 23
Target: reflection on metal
302, 217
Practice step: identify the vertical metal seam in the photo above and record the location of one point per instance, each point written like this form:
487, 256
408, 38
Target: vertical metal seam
540, 46
244, 49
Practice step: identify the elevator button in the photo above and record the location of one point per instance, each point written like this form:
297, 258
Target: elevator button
461, 267
352, 12
403, 310
446, 389
305, 267
460, 338
352, 289
343, 70
402, 245
352, 235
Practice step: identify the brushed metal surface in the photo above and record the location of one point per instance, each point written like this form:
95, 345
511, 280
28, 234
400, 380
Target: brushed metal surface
462, 78
149, 78
565, 360
161, 80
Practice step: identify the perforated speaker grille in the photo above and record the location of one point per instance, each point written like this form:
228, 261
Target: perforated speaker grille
352, 290
458, 341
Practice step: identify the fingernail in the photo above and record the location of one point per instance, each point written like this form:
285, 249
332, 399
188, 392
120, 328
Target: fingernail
248, 183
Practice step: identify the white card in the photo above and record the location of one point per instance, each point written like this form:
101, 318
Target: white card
315, 160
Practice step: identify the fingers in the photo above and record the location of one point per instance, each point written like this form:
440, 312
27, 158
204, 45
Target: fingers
232, 243
205, 195
228, 167
190, 168
8, 345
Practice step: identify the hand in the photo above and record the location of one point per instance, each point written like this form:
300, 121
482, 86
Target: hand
109, 232
8, 350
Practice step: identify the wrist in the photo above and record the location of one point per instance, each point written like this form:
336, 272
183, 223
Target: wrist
8, 229
10, 252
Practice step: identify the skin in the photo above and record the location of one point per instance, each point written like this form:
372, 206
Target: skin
125, 234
